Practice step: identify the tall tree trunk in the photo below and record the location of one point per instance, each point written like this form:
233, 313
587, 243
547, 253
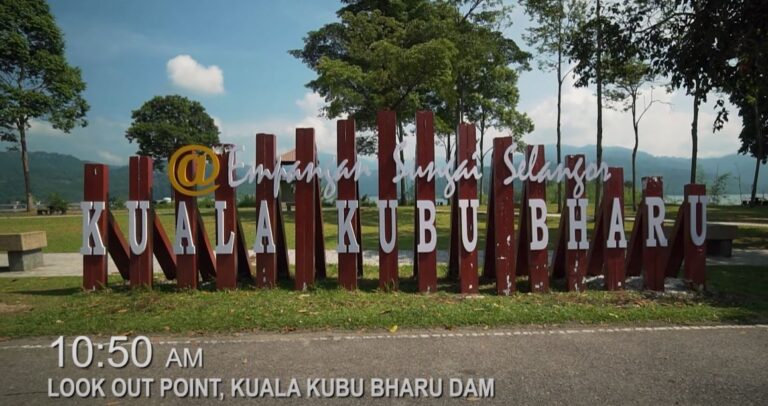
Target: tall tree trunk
599, 80
400, 135
635, 125
559, 134
760, 152
25, 165
695, 134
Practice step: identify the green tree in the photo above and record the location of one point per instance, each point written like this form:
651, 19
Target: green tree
410, 55
36, 82
556, 21
165, 123
625, 91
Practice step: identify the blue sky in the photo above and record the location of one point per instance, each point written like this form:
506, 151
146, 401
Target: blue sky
232, 57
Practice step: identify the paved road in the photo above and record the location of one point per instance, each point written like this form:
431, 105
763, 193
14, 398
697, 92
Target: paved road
663, 365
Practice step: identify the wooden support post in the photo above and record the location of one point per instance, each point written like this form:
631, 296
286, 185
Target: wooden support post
163, 249
244, 270
607, 249
533, 260
388, 254
569, 259
95, 192
118, 247
648, 245
320, 262
688, 240
140, 193
425, 265
347, 206
266, 261
283, 273
187, 275
227, 256
467, 212
305, 209
500, 231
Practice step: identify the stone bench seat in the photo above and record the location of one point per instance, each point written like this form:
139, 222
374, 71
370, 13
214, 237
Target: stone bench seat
720, 240
25, 250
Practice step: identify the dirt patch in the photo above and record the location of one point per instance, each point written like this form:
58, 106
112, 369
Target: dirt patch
6, 308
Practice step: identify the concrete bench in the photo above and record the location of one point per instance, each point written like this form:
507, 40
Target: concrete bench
25, 250
720, 240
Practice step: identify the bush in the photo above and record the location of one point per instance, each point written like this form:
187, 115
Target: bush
57, 204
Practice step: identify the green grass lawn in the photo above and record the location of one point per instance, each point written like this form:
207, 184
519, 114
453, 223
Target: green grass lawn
54, 306
64, 232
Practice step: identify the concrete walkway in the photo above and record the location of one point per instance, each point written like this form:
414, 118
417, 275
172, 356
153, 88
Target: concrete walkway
71, 264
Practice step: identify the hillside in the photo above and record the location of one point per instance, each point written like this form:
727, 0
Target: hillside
63, 174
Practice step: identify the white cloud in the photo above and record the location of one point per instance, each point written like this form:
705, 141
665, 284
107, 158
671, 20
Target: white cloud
112, 159
187, 73
310, 105
665, 130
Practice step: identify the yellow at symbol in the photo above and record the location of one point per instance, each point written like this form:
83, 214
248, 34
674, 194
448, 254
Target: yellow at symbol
177, 170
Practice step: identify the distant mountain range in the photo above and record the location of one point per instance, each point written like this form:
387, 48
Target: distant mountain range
63, 174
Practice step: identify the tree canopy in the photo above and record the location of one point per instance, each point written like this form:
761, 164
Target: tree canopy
165, 123
36, 82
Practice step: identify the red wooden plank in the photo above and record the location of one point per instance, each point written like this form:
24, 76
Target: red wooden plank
140, 171
163, 249
613, 256
95, 189
346, 150
683, 250
118, 247
305, 210
388, 266
696, 251
489, 255
281, 243
650, 260
320, 262
467, 226
187, 275
206, 260
575, 259
226, 258
244, 271
502, 221
266, 262
425, 193
537, 258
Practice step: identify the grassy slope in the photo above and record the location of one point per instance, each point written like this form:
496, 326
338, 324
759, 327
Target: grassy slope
53, 306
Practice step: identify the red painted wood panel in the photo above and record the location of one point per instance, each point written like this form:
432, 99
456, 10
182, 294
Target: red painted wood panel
140, 189
118, 248
266, 262
388, 266
613, 258
425, 190
95, 189
467, 190
305, 210
536, 259
163, 249
502, 222
346, 189
187, 275
226, 264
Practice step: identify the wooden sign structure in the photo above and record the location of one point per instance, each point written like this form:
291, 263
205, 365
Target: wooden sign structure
425, 241
310, 249
688, 240
609, 245
499, 257
96, 201
140, 219
533, 215
347, 204
569, 260
464, 234
231, 250
266, 244
647, 251
388, 255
